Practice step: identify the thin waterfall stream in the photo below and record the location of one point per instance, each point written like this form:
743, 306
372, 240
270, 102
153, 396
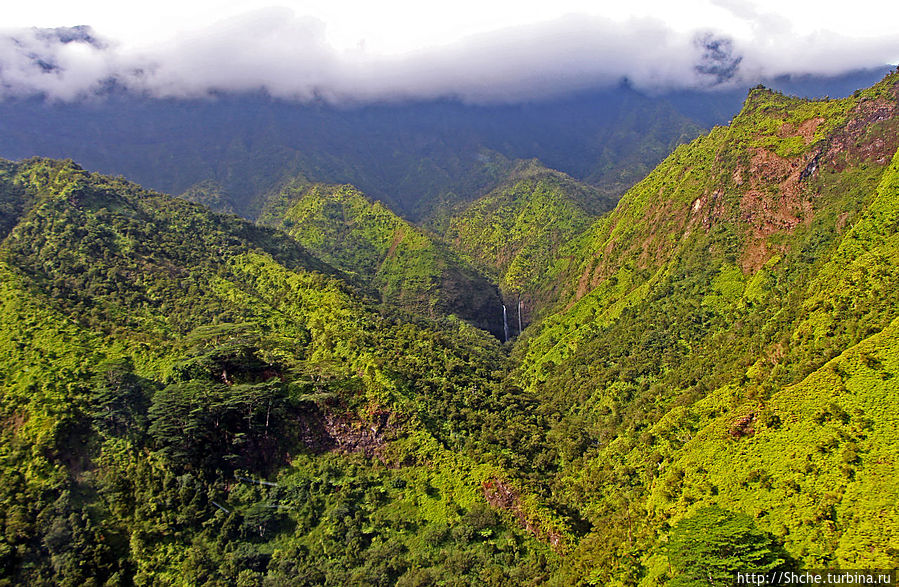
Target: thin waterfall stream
505, 324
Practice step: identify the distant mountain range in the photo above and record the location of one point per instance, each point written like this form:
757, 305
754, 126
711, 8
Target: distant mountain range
413, 156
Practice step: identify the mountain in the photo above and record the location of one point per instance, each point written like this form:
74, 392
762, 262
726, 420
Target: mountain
212, 195
414, 156
708, 385
727, 339
515, 231
411, 269
187, 397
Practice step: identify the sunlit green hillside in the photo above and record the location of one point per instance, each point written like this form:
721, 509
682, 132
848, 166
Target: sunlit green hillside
706, 382
516, 231
727, 337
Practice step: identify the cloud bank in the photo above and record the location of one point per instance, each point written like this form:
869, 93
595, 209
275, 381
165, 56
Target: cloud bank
289, 57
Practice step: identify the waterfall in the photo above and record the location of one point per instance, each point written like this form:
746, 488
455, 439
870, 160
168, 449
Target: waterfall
505, 324
519, 315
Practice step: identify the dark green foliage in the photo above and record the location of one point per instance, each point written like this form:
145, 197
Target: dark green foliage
211, 195
217, 426
119, 398
13, 198
711, 546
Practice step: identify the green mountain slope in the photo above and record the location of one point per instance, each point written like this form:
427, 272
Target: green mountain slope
710, 385
726, 337
410, 268
188, 398
774, 190
515, 232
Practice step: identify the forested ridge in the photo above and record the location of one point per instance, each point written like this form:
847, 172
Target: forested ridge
516, 231
410, 268
726, 340
191, 398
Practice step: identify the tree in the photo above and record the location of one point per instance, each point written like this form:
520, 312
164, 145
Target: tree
118, 403
712, 545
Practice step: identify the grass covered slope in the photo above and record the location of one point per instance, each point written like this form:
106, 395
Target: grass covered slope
727, 339
410, 268
186, 397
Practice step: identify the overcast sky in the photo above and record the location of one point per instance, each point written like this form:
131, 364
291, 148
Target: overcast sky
479, 51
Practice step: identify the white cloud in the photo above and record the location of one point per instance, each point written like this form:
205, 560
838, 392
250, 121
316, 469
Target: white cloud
295, 56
